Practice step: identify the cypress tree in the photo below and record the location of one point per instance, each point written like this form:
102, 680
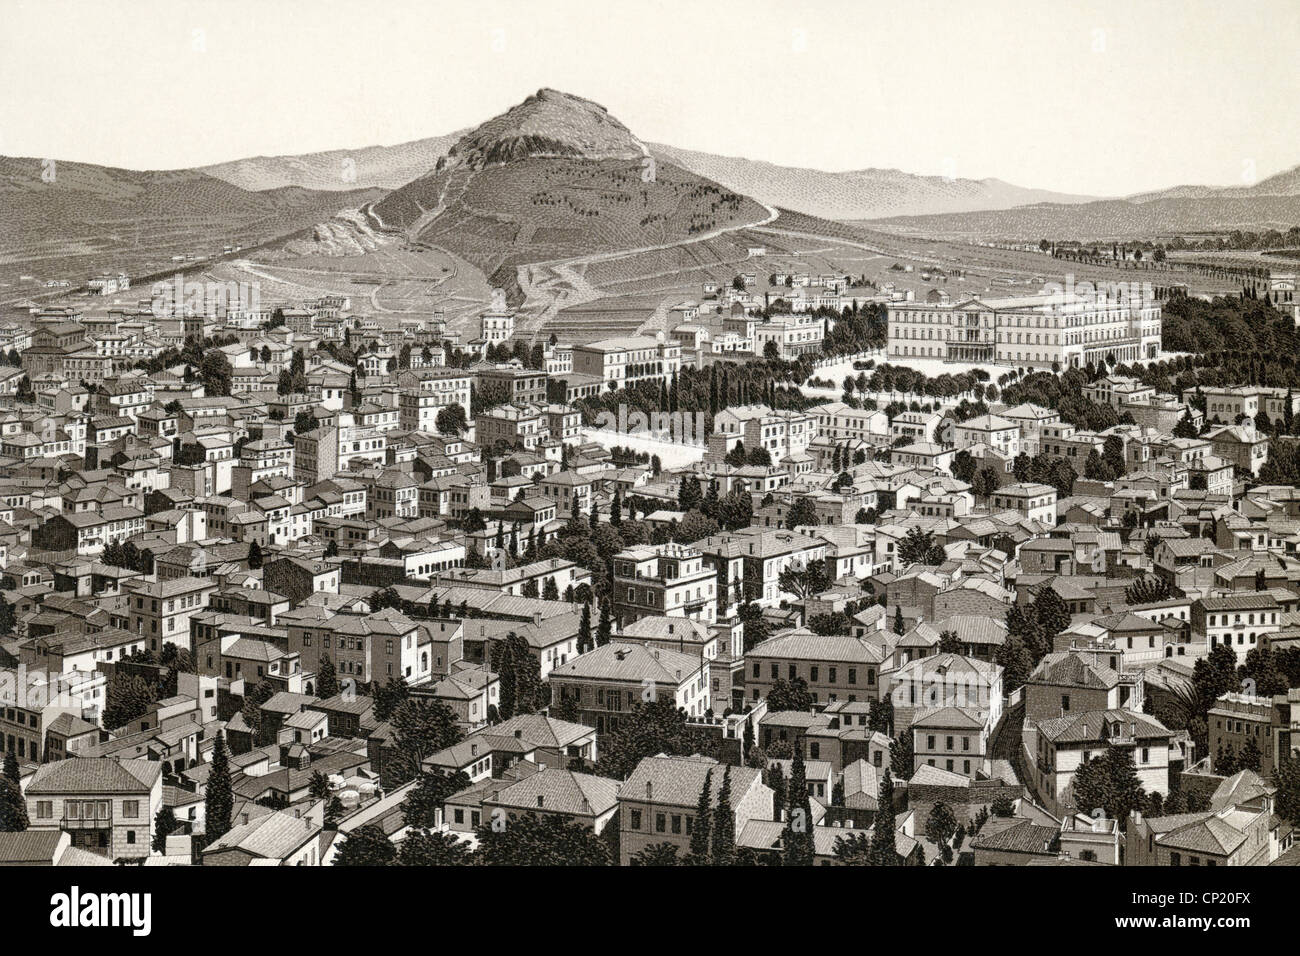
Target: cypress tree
327, 680
776, 780
724, 824
13, 808
219, 801
700, 831
883, 852
797, 838
584, 629
605, 628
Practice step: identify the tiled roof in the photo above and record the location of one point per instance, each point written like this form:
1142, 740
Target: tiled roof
678, 781
106, 775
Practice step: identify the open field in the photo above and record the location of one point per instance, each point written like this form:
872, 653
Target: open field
393, 279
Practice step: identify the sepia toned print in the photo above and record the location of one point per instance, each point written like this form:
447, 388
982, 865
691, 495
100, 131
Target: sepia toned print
847, 434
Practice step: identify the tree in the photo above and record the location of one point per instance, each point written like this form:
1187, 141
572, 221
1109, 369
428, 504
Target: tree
526, 840
1250, 756
941, 825
1147, 589
1015, 662
366, 846
900, 628
425, 801
689, 495
420, 728
789, 695
804, 582
1109, 783
422, 848
164, 825
703, 811
656, 854
776, 780
1185, 428
919, 546
584, 629
319, 786
695, 526
13, 808
756, 629
388, 696
653, 727
327, 681
254, 556
218, 801
797, 837
883, 846
1286, 777
724, 824
1052, 612
802, 512
129, 697
216, 373
1003, 807
605, 629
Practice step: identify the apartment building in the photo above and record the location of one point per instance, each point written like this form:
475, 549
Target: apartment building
670, 579
107, 805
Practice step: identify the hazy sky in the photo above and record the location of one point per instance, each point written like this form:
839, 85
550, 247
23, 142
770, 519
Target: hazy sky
1088, 96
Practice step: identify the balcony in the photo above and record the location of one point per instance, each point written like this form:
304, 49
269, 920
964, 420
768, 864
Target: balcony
84, 822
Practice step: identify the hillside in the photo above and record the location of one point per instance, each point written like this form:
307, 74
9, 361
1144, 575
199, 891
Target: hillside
556, 177
858, 194
97, 217
382, 167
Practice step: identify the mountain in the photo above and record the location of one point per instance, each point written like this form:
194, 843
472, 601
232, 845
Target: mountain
1285, 183
382, 167
88, 218
556, 177
1111, 219
1272, 203
858, 194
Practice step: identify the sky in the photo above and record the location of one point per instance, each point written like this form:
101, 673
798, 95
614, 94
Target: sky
1092, 96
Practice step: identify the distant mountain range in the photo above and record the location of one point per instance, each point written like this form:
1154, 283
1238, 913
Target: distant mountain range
857, 194
861, 193
1272, 203
959, 207
553, 178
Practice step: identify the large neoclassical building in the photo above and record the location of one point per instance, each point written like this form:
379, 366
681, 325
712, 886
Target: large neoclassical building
1034, 330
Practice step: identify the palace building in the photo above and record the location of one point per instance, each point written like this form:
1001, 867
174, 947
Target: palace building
1036, 330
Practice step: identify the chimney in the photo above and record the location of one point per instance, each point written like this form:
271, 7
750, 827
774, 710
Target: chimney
541, 800
519, 734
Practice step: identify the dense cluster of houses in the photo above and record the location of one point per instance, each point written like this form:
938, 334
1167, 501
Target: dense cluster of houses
189, 577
